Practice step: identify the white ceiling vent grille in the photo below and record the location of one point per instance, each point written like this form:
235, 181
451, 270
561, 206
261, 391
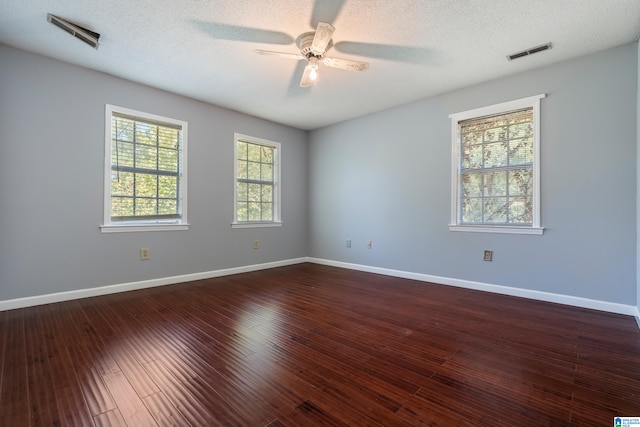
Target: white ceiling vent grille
529, 51
87, 36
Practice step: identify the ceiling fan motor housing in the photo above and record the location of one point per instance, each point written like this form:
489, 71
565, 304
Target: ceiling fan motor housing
304, 42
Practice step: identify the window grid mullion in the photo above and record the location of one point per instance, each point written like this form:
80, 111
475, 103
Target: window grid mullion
484, 175
144, 170
256, 165
486, 171
157, 173
117, 148
508, 147
178, 168
130, 198
261, 186
511, 190
157, 177
255, 181
135, 160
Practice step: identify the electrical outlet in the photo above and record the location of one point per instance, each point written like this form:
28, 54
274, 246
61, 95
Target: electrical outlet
145, 254
256, 244
488, 255
348, 243
369, 244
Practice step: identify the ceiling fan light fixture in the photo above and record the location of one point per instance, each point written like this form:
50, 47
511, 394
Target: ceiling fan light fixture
313, 65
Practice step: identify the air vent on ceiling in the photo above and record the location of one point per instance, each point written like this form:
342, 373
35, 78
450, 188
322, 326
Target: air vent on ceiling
529, 51
87, 36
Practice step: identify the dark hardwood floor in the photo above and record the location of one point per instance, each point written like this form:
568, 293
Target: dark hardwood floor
309, 345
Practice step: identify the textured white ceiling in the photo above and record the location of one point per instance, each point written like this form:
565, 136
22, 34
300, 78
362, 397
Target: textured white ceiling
416, 48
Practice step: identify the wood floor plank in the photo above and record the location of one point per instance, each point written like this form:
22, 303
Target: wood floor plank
91, 341
14, 392
309, 414
195, 372
133, 371
130, 405
16, 413
42, 396
192, 406
3, 344
60, 340
423, 411
271, 380
600, 395
307, 345
230, 401
71, 403
112, 418
333, 388
96, 395
163, 410
72, 407
135, 340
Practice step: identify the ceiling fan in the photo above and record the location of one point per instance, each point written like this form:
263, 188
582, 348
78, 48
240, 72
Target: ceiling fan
313, 48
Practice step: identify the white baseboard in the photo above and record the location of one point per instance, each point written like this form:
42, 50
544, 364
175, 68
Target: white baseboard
112, 289
506, 290
611, 307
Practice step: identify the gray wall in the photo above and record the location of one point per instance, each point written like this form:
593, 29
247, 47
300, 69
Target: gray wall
51, 184
386, 177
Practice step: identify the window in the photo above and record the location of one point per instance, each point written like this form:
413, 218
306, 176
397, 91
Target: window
257, 187
145, 172
496, 170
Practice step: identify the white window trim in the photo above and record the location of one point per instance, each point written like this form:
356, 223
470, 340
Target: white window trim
529, 102
108, 226
277, 222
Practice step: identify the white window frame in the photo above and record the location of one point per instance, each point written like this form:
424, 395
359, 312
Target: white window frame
277, 220
505, 107
142, 224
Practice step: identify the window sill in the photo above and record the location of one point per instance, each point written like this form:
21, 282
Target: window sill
132, 228
256, 224
497, 229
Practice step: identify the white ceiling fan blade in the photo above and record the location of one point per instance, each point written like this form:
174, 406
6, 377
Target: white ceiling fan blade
345, 64
296, 56
322, 38
306, 79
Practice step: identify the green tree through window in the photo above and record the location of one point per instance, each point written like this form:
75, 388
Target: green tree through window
257, 187
145, 170
496, 168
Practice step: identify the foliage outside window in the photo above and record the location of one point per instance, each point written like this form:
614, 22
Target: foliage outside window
145, 179
257, 188
496, 168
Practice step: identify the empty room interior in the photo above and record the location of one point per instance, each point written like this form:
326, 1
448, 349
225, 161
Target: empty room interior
319, 212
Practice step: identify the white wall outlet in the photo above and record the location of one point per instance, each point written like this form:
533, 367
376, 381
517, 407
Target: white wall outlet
256, 244
145, 254
369, 244
348, 243
488, 255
